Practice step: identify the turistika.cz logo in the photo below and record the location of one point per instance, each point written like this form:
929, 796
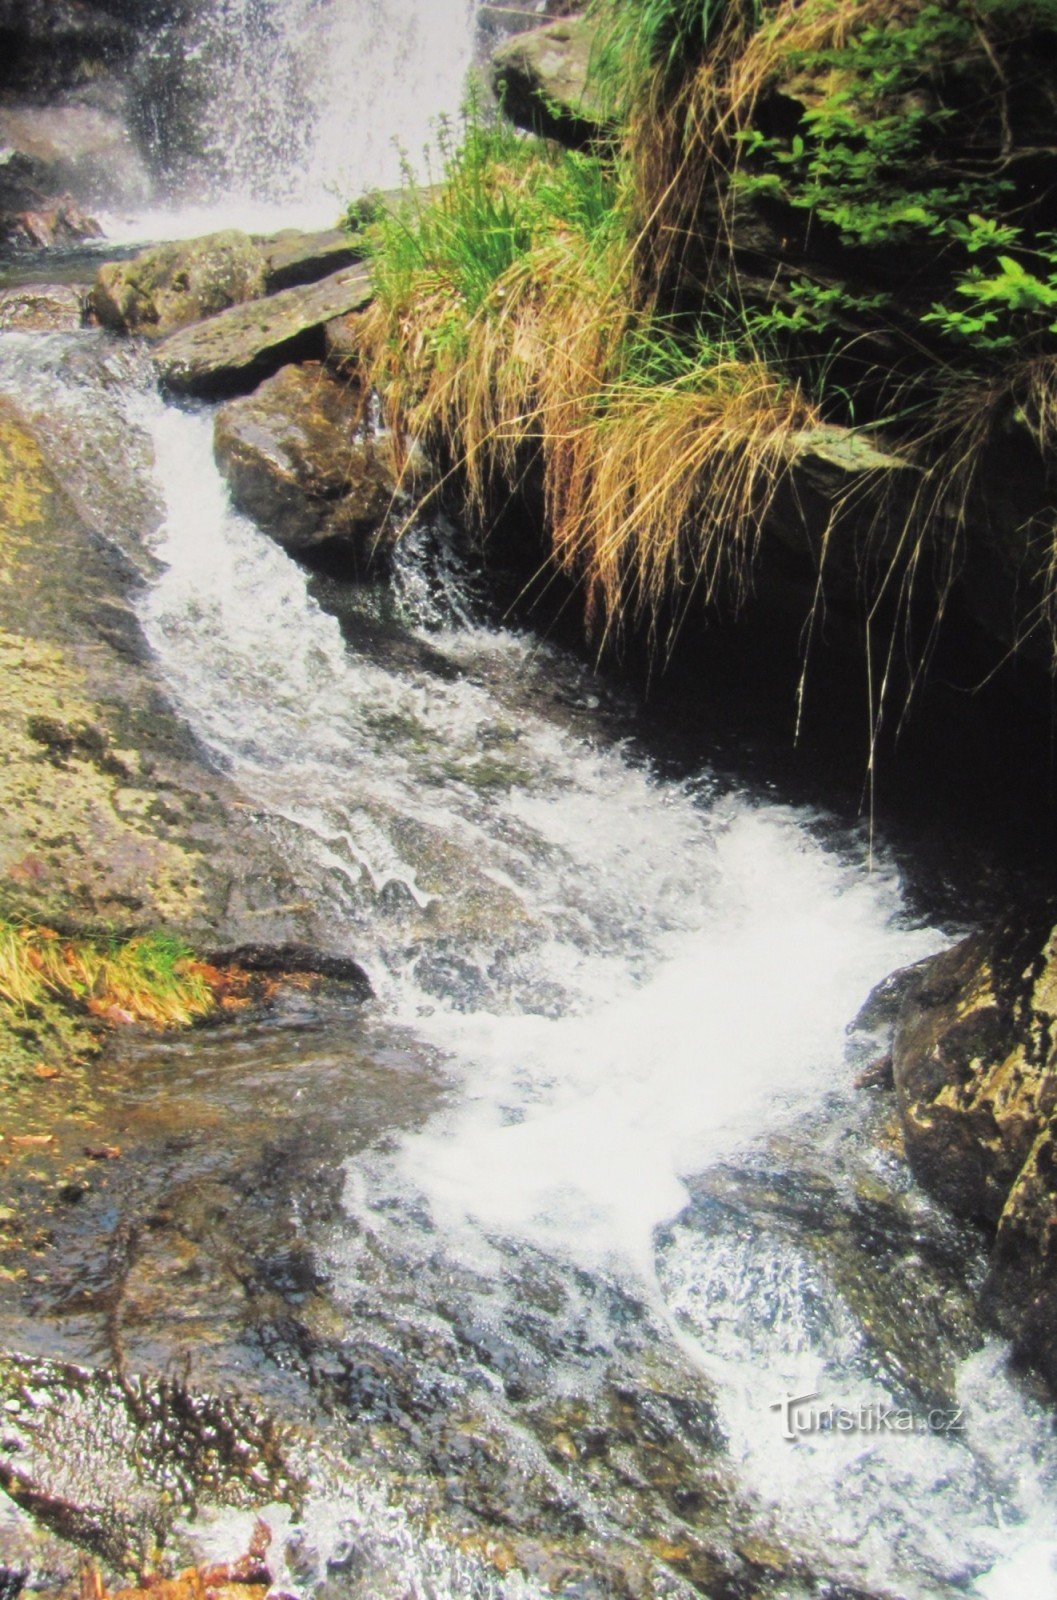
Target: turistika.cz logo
801, 1416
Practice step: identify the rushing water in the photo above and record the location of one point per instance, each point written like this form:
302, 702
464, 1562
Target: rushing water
648, 1204
637, 993
262, 114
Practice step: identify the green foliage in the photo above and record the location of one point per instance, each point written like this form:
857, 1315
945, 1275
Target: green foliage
641, 39
892, 109
866, 157
808, 307
1009, 305
501, 195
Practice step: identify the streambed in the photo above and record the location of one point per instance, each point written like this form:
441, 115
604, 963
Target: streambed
532, 1252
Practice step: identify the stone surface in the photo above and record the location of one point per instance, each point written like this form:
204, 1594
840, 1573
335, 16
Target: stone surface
175, 285
58, 224
293, 258
341, 341
110, 820
232, 352
49, 44
540, 78
975, 1063
79, 1451
295, 462
42, 308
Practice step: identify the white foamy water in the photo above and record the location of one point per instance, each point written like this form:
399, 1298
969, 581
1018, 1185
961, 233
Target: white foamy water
676, 978
957, 1497
299, 106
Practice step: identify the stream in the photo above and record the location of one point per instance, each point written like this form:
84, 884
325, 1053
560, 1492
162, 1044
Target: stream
539, 1246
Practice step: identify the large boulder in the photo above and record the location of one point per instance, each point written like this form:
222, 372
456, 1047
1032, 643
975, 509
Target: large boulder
975, 1064
231, 353
297, 461
541, 80
174, 285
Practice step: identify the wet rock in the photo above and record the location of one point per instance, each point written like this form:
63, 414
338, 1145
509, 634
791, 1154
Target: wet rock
540, 78
109, 1462
42, 308
297, 958
109, 818
175, 285
294, 258
296, 463
975, 1062
58, 224
50, 44
232, 352
84, 149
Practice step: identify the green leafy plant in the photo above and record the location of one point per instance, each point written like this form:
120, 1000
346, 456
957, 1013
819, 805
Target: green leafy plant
1009, 306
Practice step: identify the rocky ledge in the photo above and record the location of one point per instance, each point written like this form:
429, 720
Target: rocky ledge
975, 1066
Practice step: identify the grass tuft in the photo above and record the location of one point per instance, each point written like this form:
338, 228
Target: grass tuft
506, 331
151, 979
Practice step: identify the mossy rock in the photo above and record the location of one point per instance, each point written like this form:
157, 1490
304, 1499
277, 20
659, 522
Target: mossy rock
111, 823
174, 285
542, 81
231, 353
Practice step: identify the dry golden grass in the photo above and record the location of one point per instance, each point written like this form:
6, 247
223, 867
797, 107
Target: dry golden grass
662, 497
654, 490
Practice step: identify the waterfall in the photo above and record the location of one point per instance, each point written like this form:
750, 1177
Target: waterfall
269, 113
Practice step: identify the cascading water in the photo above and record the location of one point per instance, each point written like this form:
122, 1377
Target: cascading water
262, 114
628, 984
636, 992
651, 1207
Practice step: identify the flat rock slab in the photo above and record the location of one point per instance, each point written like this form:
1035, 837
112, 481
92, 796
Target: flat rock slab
293, 258
296, 463
231, 353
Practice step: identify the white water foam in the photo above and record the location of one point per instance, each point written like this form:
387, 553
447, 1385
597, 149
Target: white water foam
967, 1509
657, 982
